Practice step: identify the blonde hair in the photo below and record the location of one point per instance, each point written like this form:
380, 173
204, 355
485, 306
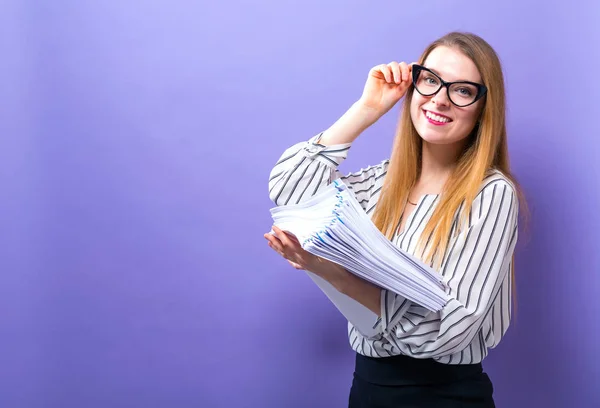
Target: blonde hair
486, 149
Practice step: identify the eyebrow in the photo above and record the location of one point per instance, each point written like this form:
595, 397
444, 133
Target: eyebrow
438, 74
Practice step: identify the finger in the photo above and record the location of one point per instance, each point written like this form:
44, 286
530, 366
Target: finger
274, 248
385, 71
274, 243
395, 71
272, 238
295, 265
285, 246
292, 237
278, 233
283, 237
404, 70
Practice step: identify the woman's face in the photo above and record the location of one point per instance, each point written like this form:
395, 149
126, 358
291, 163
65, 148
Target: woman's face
437, 120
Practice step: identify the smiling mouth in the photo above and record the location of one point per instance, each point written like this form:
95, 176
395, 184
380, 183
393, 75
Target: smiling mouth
436, 119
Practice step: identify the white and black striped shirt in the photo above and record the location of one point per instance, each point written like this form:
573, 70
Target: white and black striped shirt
476, 268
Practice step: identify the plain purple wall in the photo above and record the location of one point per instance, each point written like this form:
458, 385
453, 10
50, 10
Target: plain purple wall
136, 140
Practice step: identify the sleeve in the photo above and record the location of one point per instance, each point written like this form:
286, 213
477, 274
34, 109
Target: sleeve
305, 168
475, 268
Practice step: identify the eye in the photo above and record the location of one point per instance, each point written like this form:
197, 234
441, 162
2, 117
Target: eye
464, 91
431, 80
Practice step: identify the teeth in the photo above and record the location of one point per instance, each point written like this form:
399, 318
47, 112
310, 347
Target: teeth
436, 117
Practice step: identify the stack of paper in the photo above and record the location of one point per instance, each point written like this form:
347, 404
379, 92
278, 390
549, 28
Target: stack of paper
333, 225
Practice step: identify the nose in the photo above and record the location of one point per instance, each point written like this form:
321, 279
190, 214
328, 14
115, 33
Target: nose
441, 97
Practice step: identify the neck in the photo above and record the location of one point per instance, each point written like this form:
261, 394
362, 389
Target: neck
438, 162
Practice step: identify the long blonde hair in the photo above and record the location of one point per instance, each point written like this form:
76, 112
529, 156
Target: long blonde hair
486, 149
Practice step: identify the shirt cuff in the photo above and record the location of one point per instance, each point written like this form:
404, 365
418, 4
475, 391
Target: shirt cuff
337, 152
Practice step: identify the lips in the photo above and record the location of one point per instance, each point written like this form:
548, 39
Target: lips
436, 118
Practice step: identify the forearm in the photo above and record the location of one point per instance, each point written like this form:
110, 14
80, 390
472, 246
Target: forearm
347, 128
364, 292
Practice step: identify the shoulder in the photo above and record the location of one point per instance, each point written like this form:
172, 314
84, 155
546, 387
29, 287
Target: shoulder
497, 195
496, 181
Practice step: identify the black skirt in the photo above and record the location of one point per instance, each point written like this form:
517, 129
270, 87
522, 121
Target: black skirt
406, 382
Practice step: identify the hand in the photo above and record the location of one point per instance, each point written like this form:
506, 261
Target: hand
385, 86
289, 247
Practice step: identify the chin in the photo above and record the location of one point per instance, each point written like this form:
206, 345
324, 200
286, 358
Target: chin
442, 135
438, 140
435, 136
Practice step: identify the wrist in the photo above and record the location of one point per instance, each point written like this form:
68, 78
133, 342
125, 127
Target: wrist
333, 273
341, 280
348, 284
352, 123
363, 114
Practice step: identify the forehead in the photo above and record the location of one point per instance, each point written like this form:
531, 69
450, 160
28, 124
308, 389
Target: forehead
452, 65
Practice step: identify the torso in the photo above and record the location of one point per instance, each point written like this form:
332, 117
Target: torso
418, 193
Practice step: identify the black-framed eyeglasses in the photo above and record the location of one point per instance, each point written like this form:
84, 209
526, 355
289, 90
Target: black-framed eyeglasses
460, 93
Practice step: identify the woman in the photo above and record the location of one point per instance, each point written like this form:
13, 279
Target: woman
447, 196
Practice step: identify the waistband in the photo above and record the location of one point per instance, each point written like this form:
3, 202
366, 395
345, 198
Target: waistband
404, 370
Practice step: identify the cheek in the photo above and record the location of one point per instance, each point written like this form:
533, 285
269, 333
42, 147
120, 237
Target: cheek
415, 105
468, 118
471, 114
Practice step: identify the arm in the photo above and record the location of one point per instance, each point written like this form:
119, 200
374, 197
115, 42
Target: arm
347, 128
305, 168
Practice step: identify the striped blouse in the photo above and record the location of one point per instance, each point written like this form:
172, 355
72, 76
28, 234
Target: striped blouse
476, 268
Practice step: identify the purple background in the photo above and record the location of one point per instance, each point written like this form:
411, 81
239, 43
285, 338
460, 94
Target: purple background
136, 139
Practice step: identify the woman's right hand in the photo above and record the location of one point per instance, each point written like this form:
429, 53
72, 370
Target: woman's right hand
385, 86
